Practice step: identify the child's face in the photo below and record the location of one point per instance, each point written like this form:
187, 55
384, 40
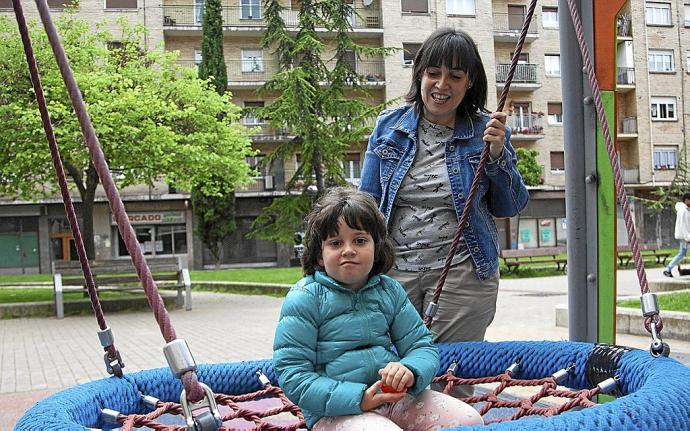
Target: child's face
349, 256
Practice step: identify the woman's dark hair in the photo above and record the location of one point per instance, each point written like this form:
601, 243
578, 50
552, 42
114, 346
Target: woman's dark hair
359, 210
686, 197
454, 49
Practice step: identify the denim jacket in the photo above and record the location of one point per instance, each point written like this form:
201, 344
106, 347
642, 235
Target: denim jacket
502, 193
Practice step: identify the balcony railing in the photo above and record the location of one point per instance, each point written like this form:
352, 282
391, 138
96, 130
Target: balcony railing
245, 70
524, 73
368, 71
526, 124
511, 22
261, 184
627, 125
626, 76
247, 16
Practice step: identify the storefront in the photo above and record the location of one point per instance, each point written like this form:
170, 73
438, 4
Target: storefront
160, 233
19, 239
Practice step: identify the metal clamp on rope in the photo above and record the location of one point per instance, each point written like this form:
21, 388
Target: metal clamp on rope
179, 357
206, 421
149, 401
514, 368
609, 385
110, 416
452, 367
650, 309
262, 378
560, 375
114, 365
431, 310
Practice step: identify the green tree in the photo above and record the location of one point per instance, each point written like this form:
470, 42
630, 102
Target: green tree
155, 121
212, 57
319, 100
215, 213
529, 167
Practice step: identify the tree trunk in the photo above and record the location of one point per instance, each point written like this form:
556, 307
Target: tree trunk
318, 173
88, 199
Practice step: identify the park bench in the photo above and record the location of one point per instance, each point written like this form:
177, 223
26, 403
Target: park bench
120, 275
513, 259
646, 251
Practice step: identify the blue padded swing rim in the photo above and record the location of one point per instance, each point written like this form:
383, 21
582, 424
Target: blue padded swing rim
658, 388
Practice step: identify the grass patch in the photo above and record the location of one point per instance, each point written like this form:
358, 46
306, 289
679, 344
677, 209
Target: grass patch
273, 292
25, 278
11, 295
668, 302
250, 275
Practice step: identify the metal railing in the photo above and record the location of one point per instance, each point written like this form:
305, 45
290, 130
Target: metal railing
244, 70
512, 22
631, 176
260, 184
524, 73
368, 71
627, 125
247, 16
626, 76
526, 124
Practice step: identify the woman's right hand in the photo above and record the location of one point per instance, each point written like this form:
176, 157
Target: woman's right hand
373, 397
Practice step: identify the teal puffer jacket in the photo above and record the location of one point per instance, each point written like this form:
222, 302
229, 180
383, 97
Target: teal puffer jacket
331, 342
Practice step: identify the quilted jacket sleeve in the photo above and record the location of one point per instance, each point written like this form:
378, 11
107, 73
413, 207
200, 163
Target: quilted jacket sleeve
294, 359
412, 339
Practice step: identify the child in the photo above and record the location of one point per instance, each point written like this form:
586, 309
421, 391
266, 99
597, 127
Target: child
333, 349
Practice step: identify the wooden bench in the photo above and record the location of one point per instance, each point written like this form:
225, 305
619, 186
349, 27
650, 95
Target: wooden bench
513, 259
646, 250
120, 275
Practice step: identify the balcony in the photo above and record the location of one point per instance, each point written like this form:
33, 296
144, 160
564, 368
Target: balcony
631, 176
507, 28
625, 79
524, 79
264, 133
369, 73
526, 127
627, 128
190, 17
244, 73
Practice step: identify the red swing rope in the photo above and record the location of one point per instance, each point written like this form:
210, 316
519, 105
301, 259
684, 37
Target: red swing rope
193, 390
433, 305
112, 354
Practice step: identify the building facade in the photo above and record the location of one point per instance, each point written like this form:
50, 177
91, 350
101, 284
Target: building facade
653, 59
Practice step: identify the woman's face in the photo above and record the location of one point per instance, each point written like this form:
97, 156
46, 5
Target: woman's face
442, 92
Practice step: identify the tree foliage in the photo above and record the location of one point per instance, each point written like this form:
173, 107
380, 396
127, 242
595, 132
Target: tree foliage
529, 167
154, 120
212, 57
320, 101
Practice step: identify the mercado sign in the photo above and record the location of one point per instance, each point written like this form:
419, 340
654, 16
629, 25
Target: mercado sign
154, 217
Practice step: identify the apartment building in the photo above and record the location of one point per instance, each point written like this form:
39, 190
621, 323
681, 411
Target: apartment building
653, 58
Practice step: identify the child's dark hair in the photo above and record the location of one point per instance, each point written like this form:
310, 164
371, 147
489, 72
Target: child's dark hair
359, 210
686, 197
454, 49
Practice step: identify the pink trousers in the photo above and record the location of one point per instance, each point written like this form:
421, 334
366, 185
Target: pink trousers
428, 411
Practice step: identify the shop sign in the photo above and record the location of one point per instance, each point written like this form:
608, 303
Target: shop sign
154, 217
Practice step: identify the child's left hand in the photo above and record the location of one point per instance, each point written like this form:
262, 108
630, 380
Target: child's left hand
397, 376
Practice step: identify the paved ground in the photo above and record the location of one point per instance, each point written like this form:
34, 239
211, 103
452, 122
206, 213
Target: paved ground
41, 356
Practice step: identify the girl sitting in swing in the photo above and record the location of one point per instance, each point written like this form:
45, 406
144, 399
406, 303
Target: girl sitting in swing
350, 349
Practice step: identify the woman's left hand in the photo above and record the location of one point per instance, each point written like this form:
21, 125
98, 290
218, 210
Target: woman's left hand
495, 134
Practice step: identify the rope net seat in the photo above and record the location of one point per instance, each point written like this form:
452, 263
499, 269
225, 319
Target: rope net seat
654, 393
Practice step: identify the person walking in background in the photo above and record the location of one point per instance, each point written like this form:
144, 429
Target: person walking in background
350, 349
681, 232
419, 165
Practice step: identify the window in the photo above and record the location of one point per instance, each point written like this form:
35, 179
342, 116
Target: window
120, 4
250, 118
6, 4
660, 60
197, 57
418, 6
252, 61
658, 13
663, 108
56, 4
557, 160
257, 164
460, 7
250, 9
353, 168
687, 15
409, 52
549, 17
199, 7
665, 157
552, 65
156, 240
555, 113
516, 17
687, 60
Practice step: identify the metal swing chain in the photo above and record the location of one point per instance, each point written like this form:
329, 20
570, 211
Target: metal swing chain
433, 305
112, 358
650, 309
177, 352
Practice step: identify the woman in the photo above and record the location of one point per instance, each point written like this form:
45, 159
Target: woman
419, 166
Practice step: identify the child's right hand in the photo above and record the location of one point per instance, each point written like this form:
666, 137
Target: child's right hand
373, 397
